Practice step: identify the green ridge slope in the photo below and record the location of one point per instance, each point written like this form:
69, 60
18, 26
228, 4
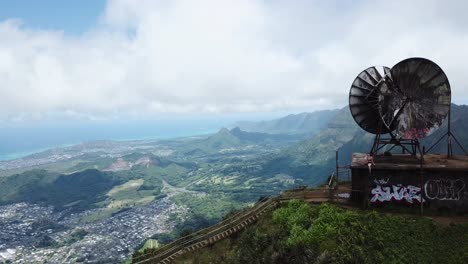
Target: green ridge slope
300, 233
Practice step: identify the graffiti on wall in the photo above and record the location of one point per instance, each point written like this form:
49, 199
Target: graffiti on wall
433, 189
384, 192
444, 189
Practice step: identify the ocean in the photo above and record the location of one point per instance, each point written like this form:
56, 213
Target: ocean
19, 140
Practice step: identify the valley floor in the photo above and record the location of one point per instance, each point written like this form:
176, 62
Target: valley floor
26, 232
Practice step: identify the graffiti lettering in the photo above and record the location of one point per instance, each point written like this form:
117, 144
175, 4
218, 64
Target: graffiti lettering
396, 192
444, 189
381, 181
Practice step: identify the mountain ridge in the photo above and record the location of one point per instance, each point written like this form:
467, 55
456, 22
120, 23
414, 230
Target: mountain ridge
302, 123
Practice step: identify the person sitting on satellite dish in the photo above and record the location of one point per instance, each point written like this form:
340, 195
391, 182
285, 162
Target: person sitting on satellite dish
370, 162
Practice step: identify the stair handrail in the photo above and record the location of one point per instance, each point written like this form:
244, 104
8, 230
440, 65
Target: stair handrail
201, 235
179, 246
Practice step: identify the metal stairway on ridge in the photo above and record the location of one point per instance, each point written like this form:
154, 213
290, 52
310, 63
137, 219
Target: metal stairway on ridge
209, 235
234, 224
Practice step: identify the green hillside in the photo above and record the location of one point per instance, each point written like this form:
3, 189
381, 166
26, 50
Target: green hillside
301, 233
209, 175
312, 160
459, 127
90, 188
234, 140
303, 123
232, 165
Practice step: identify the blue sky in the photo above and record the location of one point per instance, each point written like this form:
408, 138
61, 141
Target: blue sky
68, 63
73, 17
77, 60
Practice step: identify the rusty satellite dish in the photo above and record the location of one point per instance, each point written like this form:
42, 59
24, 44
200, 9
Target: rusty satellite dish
412, 98
423, 95
408, 101
365, 96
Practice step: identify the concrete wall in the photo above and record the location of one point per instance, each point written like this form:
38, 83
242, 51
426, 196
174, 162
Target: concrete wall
442, 190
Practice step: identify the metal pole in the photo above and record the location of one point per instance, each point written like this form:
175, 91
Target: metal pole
449, 135
421, 180
337, 167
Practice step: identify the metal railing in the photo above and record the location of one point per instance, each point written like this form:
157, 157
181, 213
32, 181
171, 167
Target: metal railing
233, 224
203, 237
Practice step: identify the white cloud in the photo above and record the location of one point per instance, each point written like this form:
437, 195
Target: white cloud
166, 57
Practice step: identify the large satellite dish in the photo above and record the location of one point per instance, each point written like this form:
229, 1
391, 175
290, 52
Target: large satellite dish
412, 98
408, 101
423, 94
365, 98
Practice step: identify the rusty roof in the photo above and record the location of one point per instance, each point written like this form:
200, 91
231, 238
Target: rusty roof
402, 161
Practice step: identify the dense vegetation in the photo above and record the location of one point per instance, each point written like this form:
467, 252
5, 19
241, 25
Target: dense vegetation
219, 165
78, 191
300, 233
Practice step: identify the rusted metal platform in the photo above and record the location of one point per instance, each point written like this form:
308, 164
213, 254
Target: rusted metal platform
404, 162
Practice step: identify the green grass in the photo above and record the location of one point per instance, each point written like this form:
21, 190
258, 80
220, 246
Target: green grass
120, 197
300, 233
81, 190
127, 189
213, 206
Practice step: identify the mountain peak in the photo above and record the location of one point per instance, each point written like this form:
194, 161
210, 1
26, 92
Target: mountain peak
236, 130
224, 131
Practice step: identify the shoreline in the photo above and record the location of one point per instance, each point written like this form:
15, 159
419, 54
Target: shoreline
5, 157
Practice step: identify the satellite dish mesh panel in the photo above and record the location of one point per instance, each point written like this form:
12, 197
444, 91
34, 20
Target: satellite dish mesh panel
425, 97
364, 98
412, 98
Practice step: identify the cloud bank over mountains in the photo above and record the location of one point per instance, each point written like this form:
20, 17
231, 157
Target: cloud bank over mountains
153, 58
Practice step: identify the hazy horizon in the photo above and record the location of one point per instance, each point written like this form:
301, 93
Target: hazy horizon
107, 60
21, 138
71, 67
